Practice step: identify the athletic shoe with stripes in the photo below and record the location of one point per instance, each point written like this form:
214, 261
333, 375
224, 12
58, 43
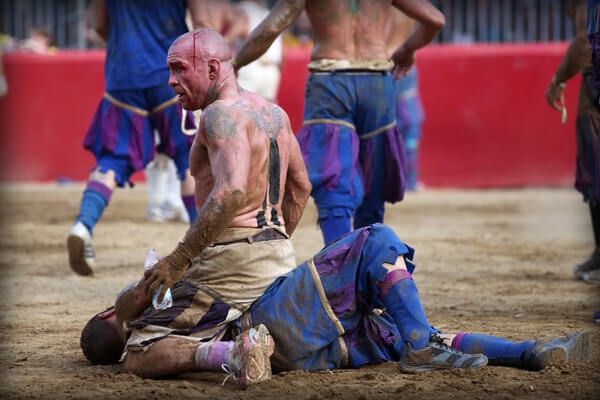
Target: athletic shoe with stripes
571, 348
81, 252
437, 355
250, 360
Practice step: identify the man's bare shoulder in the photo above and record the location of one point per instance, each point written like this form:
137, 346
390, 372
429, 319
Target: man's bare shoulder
223, 119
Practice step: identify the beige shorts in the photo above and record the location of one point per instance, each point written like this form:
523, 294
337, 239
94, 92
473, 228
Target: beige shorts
235, 274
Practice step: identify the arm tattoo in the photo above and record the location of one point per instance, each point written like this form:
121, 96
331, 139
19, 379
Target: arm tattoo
219, 124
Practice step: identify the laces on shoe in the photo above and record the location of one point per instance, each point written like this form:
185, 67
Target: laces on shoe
436, 340
230, 374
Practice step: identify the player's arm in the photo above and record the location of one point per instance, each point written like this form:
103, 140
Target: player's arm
577, 56
223, 131
283, 13
430, 21
98, 8
130, 304
297, 184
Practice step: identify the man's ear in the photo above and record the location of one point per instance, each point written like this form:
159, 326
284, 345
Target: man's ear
107, 314
214, 66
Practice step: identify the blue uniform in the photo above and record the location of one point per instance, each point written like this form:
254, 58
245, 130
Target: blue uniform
351, 145
137, 99
409, 117
322, 314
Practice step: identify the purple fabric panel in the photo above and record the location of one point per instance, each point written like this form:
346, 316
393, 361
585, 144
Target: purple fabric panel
189, 201
343, 299
93, 130
110, 127
369, 334
395, 161
303, 138
336, 258
331, 160
457, 341
98, 187
135, 152
366, 162
390, 279
189, 122
162, 124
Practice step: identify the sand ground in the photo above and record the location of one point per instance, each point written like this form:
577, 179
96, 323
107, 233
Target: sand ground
496, 261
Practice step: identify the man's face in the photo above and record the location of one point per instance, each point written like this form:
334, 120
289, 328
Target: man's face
188, 76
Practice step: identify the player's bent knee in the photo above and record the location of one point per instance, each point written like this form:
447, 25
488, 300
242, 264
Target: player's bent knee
107, 178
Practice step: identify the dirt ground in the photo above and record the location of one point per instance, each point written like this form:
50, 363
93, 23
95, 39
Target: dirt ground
496, 262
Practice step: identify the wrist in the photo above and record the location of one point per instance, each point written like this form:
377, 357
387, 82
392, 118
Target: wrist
556, 83
180, 258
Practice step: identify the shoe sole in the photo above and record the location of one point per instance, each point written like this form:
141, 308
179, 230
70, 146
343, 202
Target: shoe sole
410, 369
76, 247
267, 346
256, 364
576, 352
580, 350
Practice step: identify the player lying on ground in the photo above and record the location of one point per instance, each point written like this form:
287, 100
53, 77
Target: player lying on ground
353, 303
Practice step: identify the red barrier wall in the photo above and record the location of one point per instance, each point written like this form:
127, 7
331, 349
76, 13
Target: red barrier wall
487, 123
50, 102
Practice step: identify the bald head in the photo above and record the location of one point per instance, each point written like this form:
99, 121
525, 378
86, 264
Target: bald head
203, 44
200, 69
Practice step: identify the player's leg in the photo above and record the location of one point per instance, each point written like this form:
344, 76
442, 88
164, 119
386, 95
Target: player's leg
157, 177
169, 119
382, 154
246, 358
386, 270
330, 148
372, 161
110, 172
121, 139
529, 354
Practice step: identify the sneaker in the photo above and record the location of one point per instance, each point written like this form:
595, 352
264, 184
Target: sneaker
437, 355
591, 264
596, 317
571, 348
250, 360
592, 277
81, 252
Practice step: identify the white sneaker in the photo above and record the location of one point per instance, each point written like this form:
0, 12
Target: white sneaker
81, 252
250, 360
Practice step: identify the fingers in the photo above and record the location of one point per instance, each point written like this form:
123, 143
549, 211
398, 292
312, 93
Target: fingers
162, 293
153, 283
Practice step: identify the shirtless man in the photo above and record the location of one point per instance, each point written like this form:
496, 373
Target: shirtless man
350, 141
251, 187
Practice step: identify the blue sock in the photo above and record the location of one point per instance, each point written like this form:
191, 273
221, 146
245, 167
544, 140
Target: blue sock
95, 199
401, 299
334, 223
190, 206
499, 351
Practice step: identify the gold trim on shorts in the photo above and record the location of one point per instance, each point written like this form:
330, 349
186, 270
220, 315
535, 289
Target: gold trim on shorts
329, 311
349, 125
138, 110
